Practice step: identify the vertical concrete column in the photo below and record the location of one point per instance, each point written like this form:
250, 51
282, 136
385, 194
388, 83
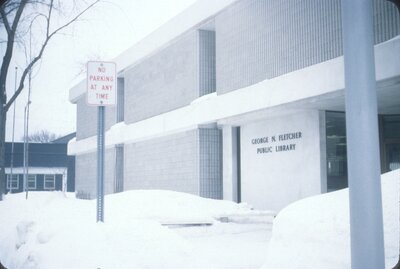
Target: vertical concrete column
322, 145
230, 155
366, 221
227, 163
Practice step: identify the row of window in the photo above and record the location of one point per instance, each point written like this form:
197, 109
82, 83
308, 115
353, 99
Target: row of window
13, 182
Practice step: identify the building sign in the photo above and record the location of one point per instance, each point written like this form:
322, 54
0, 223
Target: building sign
281, 159
277, 143
101, 83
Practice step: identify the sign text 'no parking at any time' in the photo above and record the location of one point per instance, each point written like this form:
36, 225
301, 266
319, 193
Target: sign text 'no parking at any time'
101, 83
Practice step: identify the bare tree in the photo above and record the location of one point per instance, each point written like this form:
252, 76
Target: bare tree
16, 20
42, 136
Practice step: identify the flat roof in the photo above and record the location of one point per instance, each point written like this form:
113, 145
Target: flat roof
186, 20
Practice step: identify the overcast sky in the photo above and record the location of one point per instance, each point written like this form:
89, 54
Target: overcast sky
105, 32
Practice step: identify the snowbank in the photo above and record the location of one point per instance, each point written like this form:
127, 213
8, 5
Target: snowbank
173, 207
54, 230
314, 232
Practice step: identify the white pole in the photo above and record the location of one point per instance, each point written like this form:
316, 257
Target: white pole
25, 150
27, 112
366, 221
27, 133
13, 132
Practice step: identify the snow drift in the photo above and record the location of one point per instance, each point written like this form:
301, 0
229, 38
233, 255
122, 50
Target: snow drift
315, 232
54, 230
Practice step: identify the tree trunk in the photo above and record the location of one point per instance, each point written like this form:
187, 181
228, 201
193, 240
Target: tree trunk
3, 183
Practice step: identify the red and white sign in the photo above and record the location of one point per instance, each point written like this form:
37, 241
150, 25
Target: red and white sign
101, 83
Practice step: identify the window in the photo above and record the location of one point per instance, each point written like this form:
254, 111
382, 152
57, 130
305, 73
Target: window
49, 182
336, 147
390, 127
31, 182
12, 183
119, 168
207, 62
120, 99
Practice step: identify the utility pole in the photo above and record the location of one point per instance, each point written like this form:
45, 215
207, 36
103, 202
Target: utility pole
26, 126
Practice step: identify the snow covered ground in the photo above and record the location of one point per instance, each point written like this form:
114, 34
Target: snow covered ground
55, 230
314, 232
230, 245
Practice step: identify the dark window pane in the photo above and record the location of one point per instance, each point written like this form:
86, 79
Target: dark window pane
336, 150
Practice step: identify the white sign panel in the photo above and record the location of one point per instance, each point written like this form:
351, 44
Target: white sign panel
101, 83
281, 160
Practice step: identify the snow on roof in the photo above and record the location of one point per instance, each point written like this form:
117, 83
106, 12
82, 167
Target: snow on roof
189, 18
192, 16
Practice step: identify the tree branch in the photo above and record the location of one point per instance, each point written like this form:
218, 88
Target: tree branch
18, 15
9, 50
74, 19
10, 8
48, 19
2, 2
39, 56
5, 20
32, 19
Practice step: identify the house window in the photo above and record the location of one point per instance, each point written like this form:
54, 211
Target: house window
31, 182
49, 182
12, 182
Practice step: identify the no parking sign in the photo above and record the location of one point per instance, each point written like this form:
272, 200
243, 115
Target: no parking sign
101, 92
101, 83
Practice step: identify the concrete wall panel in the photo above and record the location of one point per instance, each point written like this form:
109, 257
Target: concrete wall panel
86, 174
164, 81
169, 163
263, 39
281, 160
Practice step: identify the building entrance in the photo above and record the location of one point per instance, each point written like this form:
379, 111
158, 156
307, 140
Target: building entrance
390, 133
336, 154
336, 147
392, 156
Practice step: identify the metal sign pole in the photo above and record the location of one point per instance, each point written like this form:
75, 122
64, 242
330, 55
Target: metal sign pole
366, 221
100, 164
101, 92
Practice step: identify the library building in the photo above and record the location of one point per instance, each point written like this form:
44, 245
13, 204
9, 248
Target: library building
240, 100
